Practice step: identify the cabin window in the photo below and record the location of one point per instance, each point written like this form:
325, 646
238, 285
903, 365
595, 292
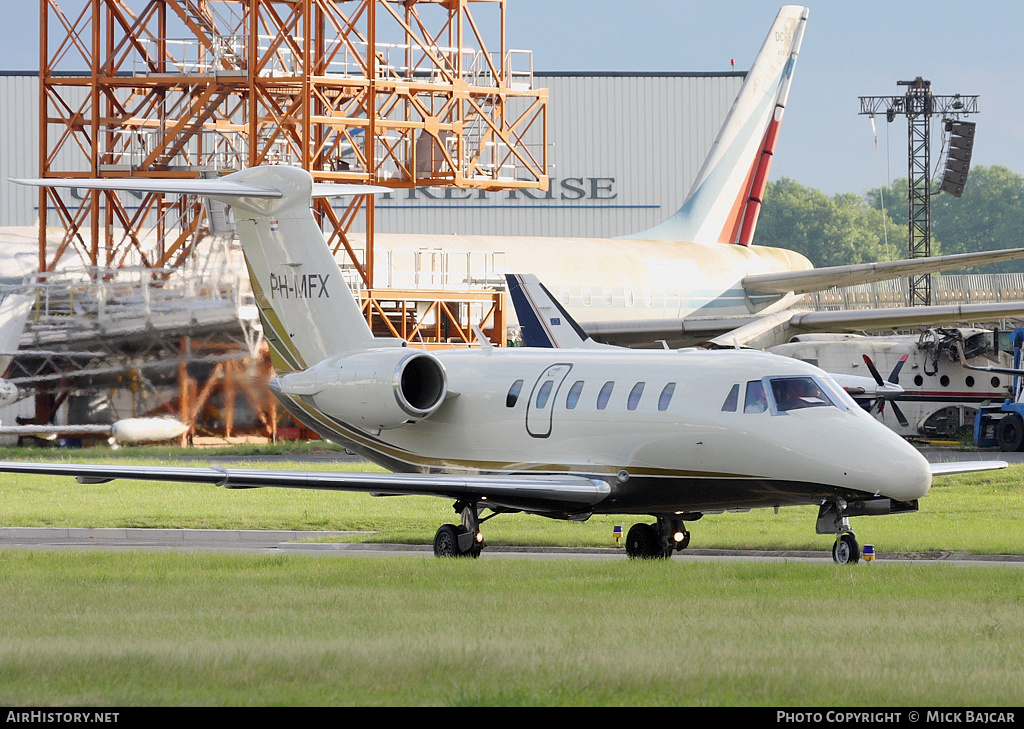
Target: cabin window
585, 295
513, 394
795, 393
607, 297
602, 397
634, 396
666, 396
627, 297
730, 402
574, 395
755, 401
544, 393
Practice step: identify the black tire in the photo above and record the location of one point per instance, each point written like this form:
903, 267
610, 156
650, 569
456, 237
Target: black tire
446, 541
1010, 433
642, 543
846, 550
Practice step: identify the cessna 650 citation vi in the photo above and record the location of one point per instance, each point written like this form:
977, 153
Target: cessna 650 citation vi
562, 433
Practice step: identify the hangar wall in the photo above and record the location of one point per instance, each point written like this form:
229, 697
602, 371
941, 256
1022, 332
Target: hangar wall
624, 149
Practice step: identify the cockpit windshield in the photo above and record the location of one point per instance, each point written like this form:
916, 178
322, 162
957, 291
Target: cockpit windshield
794, 393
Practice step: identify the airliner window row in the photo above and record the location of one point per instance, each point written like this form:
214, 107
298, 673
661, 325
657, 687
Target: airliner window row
786, 393
604, 395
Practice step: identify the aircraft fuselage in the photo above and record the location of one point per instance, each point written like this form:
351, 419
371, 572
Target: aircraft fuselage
604, 279
658, 426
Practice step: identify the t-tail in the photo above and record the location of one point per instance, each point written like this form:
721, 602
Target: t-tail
325, 356
307, 310
725, 200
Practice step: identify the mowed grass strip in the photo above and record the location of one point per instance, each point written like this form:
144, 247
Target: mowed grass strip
129, 629
974, 513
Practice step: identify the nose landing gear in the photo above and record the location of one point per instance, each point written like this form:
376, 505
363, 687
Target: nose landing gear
832, 519
846, 550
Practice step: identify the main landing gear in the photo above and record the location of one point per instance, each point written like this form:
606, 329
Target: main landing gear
656, 541
462, 540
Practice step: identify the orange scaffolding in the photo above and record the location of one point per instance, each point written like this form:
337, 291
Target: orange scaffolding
396, 93
401, 94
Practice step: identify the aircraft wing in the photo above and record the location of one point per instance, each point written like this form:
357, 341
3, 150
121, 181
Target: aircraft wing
546, 494
950, 467
773, 329
819, 279
781, 327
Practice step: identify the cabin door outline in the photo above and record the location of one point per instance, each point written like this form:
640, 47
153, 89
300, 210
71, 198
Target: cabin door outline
545, 391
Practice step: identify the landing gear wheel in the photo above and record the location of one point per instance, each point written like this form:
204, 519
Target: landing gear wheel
642, 543
1010, 433
446, 541
846, 550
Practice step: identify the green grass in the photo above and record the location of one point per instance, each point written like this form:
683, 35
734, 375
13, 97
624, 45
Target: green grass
151, 629
117, 629
974, 514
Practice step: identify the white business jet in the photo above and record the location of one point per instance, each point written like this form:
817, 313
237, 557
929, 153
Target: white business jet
563, 433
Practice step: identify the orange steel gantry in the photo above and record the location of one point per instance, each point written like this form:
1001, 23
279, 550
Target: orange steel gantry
396, 93
401, 94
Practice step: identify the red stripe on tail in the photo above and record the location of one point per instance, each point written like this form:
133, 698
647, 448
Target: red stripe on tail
760, 181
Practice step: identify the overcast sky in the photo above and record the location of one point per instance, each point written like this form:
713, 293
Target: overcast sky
850, 49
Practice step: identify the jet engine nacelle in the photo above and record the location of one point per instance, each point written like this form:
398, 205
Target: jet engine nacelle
8, 392
375, 389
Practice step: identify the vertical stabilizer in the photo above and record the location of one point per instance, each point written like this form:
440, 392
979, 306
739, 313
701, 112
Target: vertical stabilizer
724, 202
306, 308
543, 322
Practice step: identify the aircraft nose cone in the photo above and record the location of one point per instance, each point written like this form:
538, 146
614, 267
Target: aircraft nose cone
908, 474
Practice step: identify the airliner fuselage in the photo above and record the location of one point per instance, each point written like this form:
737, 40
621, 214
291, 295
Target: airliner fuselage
603, 279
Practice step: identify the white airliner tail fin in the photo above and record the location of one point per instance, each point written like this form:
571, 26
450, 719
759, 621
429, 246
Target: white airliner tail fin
307, 310
725, 200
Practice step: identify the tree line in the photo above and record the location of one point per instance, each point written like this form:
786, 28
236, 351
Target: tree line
851, 228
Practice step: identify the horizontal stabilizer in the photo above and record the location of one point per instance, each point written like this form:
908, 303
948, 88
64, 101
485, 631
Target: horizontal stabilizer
820, 279
219, 188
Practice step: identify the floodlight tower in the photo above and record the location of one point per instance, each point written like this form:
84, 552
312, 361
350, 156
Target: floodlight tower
919, 104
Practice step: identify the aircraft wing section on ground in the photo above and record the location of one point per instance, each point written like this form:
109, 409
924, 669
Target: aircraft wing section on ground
819, 279
545, 494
